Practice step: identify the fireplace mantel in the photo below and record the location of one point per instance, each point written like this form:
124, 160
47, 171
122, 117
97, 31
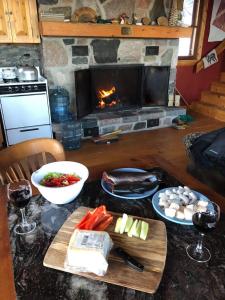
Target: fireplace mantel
113, 30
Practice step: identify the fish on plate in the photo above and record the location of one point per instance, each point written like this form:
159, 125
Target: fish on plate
130, 181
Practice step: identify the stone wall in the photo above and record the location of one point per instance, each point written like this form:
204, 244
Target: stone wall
108, 9
10, 54
62, 56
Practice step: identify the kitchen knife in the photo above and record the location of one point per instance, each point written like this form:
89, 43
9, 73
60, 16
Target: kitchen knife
129, 260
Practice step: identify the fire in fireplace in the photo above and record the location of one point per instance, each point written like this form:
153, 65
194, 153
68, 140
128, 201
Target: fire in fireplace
107, 98
120, 87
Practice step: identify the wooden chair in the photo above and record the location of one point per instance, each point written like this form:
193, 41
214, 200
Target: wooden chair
21, 160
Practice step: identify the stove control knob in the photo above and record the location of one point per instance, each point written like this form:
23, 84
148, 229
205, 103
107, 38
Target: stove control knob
29, 87
10, 89
22, 88
35, 87
16, 88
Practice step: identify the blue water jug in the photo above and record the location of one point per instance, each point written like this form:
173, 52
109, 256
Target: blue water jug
59, 105
71, 135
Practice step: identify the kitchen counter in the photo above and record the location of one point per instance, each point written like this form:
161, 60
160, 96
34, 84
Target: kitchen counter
182, 278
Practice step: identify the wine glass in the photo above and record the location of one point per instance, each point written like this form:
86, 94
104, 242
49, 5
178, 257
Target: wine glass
19, 193
204, 221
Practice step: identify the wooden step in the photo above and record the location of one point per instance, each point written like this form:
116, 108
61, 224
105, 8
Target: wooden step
222, 77
209, 110
218, 87
213, 99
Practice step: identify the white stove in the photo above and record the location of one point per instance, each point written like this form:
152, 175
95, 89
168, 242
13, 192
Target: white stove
25, 111
12, 86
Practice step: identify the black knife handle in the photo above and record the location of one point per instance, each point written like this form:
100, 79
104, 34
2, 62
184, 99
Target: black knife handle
129, 260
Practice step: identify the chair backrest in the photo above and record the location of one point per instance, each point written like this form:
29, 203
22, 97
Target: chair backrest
21, 160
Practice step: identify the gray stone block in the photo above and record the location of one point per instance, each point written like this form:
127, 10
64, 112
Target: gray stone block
10, 54
105, 51
167, 121
105, 130
130, 119
79, 50
106, 122
89, 123
151, 50
80, 60
125, 127
175, 111
139, 126
173, 42
151, 59
167, 57
68, 41
147, 115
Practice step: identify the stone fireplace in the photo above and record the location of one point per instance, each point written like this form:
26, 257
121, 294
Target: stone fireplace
63, 57
113, 88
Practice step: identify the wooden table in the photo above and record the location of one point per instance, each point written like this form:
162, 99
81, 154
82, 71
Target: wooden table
7, 290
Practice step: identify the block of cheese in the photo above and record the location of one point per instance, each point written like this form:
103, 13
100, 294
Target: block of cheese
88, 251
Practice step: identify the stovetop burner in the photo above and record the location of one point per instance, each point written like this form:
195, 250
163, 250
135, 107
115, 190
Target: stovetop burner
16, 81
10, 80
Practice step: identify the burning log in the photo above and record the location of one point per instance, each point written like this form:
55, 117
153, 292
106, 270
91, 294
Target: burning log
107, 98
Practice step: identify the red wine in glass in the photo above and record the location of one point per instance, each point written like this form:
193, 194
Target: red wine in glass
20, 198
19, 193
204, 222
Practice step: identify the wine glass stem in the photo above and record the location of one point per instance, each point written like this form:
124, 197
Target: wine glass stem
24, 219
200, 242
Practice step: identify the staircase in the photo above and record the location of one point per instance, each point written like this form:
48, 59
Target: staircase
212, 103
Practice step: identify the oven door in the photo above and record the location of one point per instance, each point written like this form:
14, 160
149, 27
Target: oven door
14, 136
25, 110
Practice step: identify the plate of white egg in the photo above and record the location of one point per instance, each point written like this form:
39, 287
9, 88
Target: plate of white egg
178, 204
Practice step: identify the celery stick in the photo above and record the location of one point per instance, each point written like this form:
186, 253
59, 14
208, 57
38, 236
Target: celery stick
128, 224
144, 230
132, 231
118, 224
138, 229
123, 223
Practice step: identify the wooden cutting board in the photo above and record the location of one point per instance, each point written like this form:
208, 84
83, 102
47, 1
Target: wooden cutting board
151, 253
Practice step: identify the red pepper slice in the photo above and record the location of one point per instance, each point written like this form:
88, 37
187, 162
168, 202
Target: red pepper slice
92, 218
103, 225
84, 219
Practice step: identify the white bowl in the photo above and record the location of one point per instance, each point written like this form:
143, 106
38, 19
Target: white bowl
60, 195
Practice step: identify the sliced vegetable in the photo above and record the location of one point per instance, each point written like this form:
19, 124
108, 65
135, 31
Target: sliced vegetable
128, 224
138, 229
144, 230
123, 223
105, 224
98, 219
118, 224
84, 219
132, 231
55, 179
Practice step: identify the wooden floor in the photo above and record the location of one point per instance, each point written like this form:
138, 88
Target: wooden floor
165, 145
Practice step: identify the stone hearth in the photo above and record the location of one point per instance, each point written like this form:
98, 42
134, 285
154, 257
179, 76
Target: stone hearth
126, 121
